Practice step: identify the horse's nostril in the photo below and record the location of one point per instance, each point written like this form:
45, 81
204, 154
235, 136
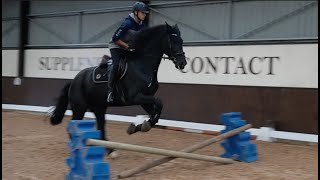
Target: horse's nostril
184, 64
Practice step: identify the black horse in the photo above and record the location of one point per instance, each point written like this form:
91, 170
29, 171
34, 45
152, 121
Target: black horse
137, 86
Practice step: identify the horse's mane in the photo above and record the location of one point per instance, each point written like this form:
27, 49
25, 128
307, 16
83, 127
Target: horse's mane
144, 35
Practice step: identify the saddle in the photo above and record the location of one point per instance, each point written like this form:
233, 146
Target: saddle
100, 73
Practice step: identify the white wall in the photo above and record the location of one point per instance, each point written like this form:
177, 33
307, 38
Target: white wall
10, 63
243, 65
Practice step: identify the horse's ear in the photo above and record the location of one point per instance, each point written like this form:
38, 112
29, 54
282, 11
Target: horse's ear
168, 26
177, 29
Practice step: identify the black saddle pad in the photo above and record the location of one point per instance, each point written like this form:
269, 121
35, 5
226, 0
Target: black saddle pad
100, 73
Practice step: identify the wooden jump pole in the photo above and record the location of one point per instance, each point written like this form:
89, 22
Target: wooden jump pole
143, 149
192, 148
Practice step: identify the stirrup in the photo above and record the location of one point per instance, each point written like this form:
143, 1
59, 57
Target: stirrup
110, 97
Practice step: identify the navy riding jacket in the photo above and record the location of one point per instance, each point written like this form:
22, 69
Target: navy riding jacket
128, 24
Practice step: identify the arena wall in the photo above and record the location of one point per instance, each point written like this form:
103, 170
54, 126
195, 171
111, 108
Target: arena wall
272, 85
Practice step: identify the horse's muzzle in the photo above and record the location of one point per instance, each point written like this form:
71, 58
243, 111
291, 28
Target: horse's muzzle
181, 63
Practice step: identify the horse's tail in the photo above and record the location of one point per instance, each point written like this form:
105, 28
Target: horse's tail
57, 114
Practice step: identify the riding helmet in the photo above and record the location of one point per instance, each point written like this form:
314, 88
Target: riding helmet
140, 6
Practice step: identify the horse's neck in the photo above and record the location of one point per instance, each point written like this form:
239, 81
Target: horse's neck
149, 63
151, 56
150, 50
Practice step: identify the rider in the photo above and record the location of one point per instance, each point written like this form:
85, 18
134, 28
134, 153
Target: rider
117, 46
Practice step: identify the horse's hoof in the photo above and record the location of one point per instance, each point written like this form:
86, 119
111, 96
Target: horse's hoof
109, 151
113, 154
145, 126
131, 129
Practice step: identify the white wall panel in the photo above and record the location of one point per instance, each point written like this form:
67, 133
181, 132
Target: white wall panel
246, 65
10, 63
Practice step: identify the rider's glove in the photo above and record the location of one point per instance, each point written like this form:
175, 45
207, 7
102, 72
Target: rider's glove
130, 48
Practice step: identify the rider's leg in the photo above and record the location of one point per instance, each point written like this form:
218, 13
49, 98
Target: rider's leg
104, 61
112, 70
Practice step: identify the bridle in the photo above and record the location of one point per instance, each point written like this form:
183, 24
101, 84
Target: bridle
172, 56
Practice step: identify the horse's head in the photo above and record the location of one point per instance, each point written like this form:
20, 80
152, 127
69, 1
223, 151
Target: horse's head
174, 46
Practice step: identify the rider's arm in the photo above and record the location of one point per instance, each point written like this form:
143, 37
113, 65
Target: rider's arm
125, 26
122, 44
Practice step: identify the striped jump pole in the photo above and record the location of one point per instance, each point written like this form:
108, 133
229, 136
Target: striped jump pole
150, 150
192, 148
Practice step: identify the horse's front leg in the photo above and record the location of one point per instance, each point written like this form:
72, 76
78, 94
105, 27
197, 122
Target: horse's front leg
153, 107
154, 110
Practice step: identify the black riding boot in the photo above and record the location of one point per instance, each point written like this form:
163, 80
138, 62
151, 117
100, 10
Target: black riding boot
111, 80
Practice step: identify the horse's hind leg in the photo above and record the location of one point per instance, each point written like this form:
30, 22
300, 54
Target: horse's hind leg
78, 112
101, 122
100, 118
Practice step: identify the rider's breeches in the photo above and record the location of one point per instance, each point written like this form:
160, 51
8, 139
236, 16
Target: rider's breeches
116, 53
